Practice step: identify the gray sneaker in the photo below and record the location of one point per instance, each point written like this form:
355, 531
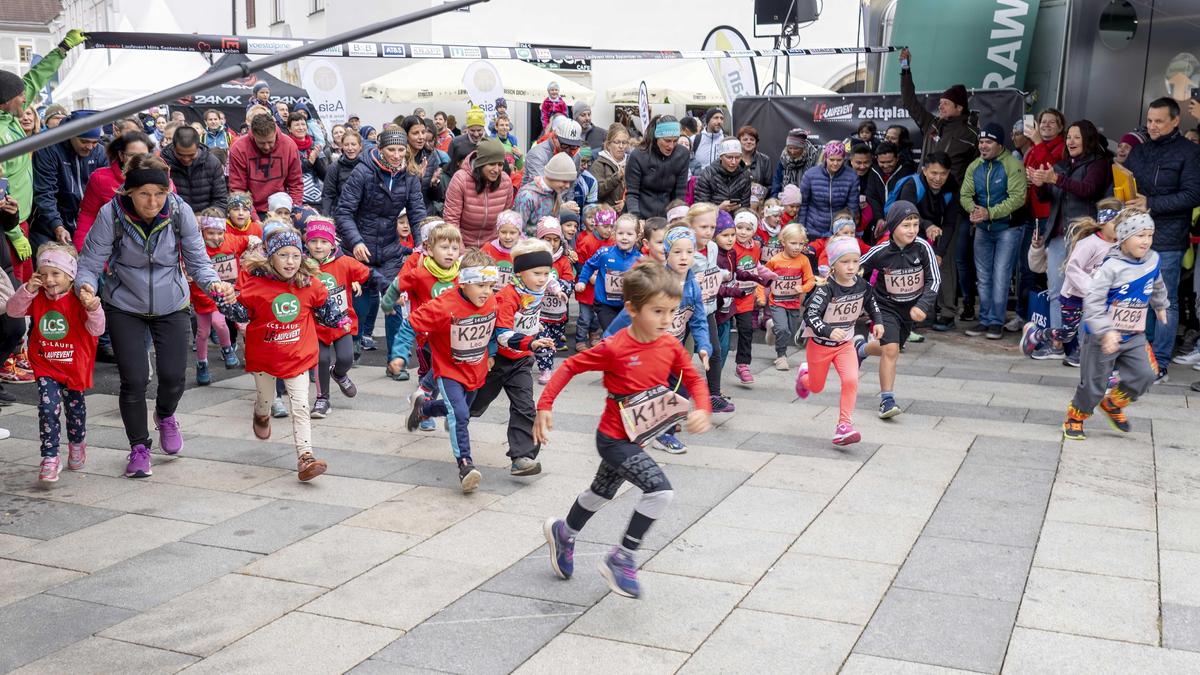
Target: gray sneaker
278, 409
523, 466
976, 330
320, 408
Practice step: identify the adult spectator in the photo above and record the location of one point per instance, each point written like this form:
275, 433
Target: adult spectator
725, 182
312, 163
168, 134
1021, 145
264, 162
55, 115
442, 134
337, 174
592, 135
31, 123
706, 144
315, 131
1167, 169
799, 155
353, 123
12, 330
994, 189
60, 177
892, 166
932, 190
1126, 145
658, 172
609, 167
1069, 189
565, 135
465, 144
871, 194
827, 189
949, 131
260, 94
198, 175
178, 116
378, 189
1046, 149
897, 135
216, 134
547, 194
756, 162
425, 162
136, 243
479, 191
104, 183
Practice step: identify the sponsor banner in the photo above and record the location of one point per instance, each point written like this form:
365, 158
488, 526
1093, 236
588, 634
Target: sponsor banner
644, 105
735, 76
483, 85
323, 81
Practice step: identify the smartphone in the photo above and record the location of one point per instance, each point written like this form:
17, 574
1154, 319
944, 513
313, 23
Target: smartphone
1196, 93
3, 189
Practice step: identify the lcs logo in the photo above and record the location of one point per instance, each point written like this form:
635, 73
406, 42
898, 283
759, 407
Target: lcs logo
53, 326
329, 280
285, 307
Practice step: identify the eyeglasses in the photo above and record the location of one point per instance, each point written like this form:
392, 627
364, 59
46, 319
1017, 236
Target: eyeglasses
620, 142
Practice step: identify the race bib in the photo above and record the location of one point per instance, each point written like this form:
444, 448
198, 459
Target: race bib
1127, 319
469, 337
787, 287
613, 283
504, 277
554, 309
651, 413
679, 322
902, 284
843, 312
226, 267
527, 323
337, 294
710, 283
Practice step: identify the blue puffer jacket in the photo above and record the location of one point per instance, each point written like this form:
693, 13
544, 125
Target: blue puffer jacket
366, 213
822, 195
60, 176
1168, 174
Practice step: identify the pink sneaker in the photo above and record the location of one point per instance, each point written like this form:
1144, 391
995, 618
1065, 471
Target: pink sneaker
76, 456
50, 469
845, 435
801, 390
544, 377
744, 375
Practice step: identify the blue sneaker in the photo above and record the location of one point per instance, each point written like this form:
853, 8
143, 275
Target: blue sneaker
888, 408
620, 574
1029, 342
202, 376
231, 357
562, 547
670, 443
427, 424
368, 344
860, 348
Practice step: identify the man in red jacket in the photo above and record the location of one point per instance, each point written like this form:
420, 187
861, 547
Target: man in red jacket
264, 162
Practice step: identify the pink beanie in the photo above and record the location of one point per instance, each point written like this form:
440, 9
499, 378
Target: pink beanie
790, 196
840, 246
548, 225
320, 228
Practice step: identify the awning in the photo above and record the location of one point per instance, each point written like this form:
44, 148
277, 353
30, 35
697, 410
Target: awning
441, 80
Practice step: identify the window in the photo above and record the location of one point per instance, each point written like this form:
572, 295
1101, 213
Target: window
277, 11
25, 53
250, 18
316, 6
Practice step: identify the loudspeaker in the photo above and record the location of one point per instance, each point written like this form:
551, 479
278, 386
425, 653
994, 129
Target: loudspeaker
769, 15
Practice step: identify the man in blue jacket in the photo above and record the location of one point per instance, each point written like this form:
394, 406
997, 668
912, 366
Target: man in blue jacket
1167, 169
60, 175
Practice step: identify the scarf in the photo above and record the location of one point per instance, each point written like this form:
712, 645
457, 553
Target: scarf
773, 231
500, 247
442, 275
303, 144
607, 155
558, 252
793, 169
378, 159
527, 296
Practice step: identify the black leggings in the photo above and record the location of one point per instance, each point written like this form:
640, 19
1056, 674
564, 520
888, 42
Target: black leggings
341, 352
714, 359
170, 333
745, 336
622, 461
606, 314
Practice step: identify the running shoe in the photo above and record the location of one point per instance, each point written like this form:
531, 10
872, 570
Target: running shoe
770, 330
744, 375
320, 408
278, 409
347, 386
670, 443
620, 574
1029, 342
1115, 414
468, 476
1192, 358
544, 377
50, 468
76, 456
562, 547
860, 348
1047, 352
845, 434
309, 467
1072, 359
524, 466
801, 390
368, 344
203, 379
781, 363
995, 333
888, 408
230, 355
139, 462
427, 424
1013, 325
977, 330
720, 404
1073, 429
169, 438
415, 418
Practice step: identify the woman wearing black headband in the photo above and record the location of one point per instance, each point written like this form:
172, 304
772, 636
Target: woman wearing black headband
140, 236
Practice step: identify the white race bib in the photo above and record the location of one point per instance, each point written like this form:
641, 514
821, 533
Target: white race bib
469, 337
902, 284
649, 414
554, 310
1127, 319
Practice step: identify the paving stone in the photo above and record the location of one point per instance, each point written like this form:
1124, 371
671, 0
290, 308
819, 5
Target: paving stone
350, 464
943, 409
445, 475
924, 465
767, 509
1021, 453
814, 475
74, 487
750, 641
1129, 506
874, 494
100, 655
220, 475
41, 625
943, 630
860, 536
337, 490
1091, 604
179, 502
221, 449
1037, 651
1181, 626
21, 579
10, 543
969, 568
862, 664
832, 589
806, 447
401, 592
1177, 529
579, 653
533, 577
154, 577
423, 510
473, 620
272, 526
98, 546
1094, 549
335, 646
1180, 583
721, 553
377, 667
43, 519
673, 613
1007, 484
698, 486
986, 521
332, 557
487, 539
186, 623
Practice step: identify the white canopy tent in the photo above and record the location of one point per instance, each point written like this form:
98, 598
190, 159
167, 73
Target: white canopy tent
441, 80
688, 83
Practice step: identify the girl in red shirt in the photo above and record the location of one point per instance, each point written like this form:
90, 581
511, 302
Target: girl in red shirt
241, 219
224, 250
281, 303
508, 233
747, 257
557, 299
637, 362
62, 351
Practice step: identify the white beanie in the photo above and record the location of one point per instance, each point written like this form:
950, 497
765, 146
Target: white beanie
560, 167
730, 146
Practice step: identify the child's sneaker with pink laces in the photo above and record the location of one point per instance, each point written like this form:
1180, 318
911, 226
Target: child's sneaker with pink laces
49, 470
76, 455
744, 375
801, 390
544, 377
845, 434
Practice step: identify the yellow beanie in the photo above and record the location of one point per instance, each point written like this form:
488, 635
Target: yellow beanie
475, 117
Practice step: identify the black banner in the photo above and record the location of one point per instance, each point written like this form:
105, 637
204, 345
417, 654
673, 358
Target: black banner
836, 117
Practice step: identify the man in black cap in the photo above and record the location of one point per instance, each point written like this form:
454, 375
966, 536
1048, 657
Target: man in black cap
949, 131
60, 175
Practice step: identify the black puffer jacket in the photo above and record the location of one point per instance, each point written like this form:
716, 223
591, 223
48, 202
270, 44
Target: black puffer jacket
1168, 174
653, 180
202, 183
336, 177
715, 185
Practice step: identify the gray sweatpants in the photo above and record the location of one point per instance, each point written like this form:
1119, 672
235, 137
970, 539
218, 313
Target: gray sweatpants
1133, 359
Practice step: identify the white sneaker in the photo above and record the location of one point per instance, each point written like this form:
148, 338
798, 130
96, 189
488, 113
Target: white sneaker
770, 329
1192, 358
1014, 325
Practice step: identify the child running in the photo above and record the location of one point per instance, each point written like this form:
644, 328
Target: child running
508, 233
829, 317
1114, 326
279, 300
224, 250
458, 326
703, 216
637, 363
786, 299
555, 301
595, 236
62, 351
608, 266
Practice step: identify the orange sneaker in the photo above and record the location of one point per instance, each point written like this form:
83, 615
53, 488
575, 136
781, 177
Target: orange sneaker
11, 374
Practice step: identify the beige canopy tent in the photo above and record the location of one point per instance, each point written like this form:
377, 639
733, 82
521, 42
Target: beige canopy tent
441, 80
688, 83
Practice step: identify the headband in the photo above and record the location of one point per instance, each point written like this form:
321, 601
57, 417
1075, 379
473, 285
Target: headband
675, 234
677, 213
531, 260
842, 222
478, 275
282, 240
211, 223
747, 217
606, 217
146, 176
427, 229
1105, 215
773, 210
666, 130
60, 260
245, 201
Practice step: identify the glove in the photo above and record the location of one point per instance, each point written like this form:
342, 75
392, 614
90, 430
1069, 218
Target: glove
20, 243
74, 38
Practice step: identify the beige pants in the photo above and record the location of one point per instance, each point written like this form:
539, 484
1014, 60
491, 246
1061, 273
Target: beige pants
297, 398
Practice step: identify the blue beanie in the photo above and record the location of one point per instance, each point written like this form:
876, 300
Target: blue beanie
90, 134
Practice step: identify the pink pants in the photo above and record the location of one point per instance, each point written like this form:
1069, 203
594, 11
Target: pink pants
205, 324
845, 361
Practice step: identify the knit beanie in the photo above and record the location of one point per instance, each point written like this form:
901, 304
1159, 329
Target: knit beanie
730, 146
502, 103
553, 85
994, 132
797, 138
259, 86
1133, 225
393, 137
547, 226
835, 149
279, 200
568, 217
675, 234
475, 117
579, 109
560, 167
92, 134
724, 222
956, 94
489, 151
840, 246
899, 211
790, 196
1133, 138
708, 114
11, 85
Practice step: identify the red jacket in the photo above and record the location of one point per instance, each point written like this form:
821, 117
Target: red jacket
263, 175
516, 326
420, 285
281, 337
586, 245
1048, 152
503, 263
748, 258
474, 213
226, 260
102, 185
458, 334
338, 274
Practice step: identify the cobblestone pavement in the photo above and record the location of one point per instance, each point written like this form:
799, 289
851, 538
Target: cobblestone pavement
961, 536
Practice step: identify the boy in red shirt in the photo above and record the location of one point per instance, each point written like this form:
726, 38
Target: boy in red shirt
786, 301
241, 219
281, 302
224, 250
430, 275
458, 326
637, 362
587, 326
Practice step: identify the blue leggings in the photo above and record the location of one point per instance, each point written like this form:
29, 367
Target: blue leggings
545, 357
455, 406
51, 396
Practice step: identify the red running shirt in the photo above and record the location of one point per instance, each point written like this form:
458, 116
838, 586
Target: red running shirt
281, 338
60, 346
337, 275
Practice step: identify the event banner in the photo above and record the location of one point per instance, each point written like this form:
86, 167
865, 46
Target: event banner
736, 77
836, 117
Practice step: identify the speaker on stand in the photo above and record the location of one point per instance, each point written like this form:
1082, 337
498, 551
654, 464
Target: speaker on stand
781, 19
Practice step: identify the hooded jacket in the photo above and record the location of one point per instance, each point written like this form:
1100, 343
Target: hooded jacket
1168, 175
59, 180
706, 146
19, 170
534, 201
336, 176
101, 188
822, 195
610, 187
366, 213
265, 174
474, 213
760, 171
653, 181
202, 183
954, 136
715, 185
